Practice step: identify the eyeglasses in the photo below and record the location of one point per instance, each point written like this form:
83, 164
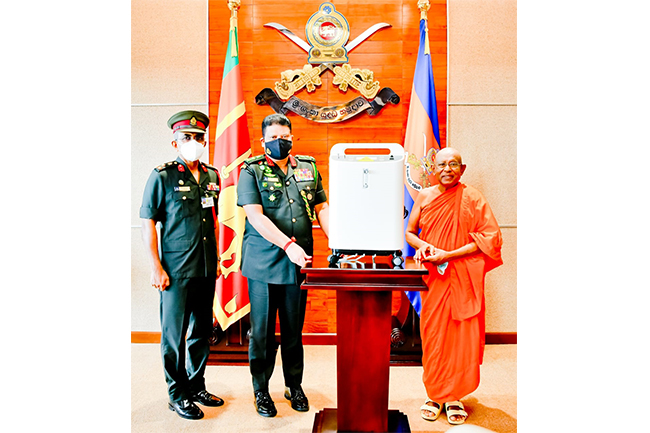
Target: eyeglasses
452, 164
187, 136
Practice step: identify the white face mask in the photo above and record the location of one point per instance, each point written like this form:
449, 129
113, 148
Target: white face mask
192, 150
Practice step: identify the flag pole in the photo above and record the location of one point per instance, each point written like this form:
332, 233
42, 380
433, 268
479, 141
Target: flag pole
232, 147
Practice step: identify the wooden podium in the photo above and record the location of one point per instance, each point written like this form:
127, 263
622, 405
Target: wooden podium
363, 320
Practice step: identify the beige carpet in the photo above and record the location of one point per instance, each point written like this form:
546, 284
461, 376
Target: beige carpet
493, 405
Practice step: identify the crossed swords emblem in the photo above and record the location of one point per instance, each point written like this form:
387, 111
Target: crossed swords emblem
360, 79
305, 46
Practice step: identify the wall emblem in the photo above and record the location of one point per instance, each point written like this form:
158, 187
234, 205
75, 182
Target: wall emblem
327, 33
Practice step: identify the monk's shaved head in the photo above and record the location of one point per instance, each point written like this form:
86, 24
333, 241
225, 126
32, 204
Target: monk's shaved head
448, 167
449, 151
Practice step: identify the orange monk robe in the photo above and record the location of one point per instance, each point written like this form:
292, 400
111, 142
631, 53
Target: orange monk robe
452, 322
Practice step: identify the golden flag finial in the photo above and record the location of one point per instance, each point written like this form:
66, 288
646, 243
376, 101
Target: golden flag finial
234, 6
424, 5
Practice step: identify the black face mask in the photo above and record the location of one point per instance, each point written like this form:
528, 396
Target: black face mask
278, 148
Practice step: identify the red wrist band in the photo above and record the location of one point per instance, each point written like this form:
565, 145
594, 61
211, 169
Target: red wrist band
288, 243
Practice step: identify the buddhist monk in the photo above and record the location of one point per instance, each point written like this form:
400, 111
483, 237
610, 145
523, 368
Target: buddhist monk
459, 241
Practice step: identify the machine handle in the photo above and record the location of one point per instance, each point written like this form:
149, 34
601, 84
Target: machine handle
339, 149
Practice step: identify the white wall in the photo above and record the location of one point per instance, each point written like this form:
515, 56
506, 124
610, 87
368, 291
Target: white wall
169, 70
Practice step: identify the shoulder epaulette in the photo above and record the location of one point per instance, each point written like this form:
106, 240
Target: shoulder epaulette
165, 165
210, 167
254, 159
306, 158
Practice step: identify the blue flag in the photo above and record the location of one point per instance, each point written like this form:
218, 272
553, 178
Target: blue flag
422, 138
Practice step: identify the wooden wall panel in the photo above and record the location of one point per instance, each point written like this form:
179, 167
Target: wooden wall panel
390, 53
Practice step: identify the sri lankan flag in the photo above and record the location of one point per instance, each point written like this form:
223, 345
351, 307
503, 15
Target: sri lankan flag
232, 147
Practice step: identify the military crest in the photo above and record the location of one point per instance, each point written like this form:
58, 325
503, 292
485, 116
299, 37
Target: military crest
327, 33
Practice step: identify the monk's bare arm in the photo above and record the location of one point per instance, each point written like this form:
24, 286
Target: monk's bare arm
441, 256
413, 226
464, 251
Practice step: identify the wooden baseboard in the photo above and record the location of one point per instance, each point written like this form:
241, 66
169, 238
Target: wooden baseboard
500, 338
318, 339
328, 339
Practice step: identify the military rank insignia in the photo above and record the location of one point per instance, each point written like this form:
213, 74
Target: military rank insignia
303, 174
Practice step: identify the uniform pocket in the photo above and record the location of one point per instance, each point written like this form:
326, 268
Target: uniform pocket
177, 245
185, 201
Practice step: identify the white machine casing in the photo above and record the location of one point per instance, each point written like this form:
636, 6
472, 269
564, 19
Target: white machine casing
366, 198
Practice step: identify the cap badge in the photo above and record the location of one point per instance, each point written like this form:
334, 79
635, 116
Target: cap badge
193, 121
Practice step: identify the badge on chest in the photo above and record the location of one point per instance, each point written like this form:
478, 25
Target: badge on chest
303, 174
207, 201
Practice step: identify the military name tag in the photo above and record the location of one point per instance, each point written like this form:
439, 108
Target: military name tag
182, 188
303, 174
212, 186
207, 201
271, 179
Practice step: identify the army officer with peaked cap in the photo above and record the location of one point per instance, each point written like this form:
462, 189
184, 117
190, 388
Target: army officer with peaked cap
182, 195
282, 195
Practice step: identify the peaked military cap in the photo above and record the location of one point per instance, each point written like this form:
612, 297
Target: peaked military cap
188, 120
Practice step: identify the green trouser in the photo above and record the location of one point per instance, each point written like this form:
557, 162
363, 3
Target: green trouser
186, 323
267, 300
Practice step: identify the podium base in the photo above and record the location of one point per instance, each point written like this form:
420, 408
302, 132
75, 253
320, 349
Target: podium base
325, 421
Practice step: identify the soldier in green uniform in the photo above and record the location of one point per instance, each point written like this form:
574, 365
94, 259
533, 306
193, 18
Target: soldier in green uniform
182, 195
282, 195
